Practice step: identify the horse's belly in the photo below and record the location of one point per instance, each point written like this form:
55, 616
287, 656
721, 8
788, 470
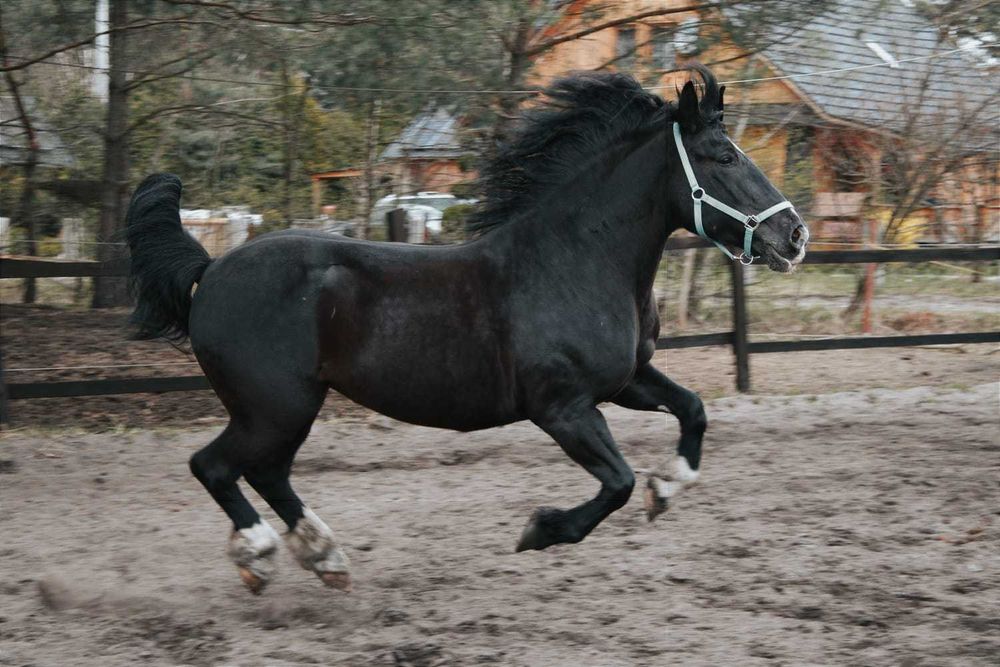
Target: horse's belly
462, 404
453, 416
429, 378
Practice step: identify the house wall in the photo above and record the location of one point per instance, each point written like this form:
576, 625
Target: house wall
417, 175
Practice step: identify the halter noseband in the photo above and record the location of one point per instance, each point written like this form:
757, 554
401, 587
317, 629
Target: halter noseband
698, 195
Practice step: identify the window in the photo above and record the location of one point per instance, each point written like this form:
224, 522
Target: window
686, 38
625, 49
662, 44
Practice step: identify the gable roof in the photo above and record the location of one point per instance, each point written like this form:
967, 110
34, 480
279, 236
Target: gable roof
432, 134
14, 140
910, 68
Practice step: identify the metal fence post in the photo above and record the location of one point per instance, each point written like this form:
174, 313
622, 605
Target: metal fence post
740, 348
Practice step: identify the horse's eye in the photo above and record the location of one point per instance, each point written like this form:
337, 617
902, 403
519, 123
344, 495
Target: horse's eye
727, 159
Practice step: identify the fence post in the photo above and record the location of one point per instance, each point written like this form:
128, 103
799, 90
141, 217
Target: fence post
3, 394
740, 349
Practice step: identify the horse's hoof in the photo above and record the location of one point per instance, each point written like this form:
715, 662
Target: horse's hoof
253, 582
339, 580
530, 538
654, 503
312, 544
541, 531
253, 550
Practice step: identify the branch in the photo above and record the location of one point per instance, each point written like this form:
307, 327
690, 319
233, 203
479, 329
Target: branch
148, 77
15, 86
197, 108
27, 62
252, 15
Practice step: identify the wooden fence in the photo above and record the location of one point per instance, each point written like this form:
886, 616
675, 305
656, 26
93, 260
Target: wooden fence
13, 267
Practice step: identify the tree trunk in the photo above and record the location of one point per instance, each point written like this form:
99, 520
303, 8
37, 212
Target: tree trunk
289, 145
26, 216
371, 150
110, 291
518, 63
25, 209
687, 271
979, 230
701, 257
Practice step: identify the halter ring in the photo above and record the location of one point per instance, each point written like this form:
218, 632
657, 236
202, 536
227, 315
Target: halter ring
697, 193
745, 259
751, 222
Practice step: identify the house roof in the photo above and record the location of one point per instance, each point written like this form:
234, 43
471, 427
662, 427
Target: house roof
909, 70
432, 134
14, 140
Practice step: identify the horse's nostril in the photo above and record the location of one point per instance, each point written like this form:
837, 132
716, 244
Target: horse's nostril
798, 235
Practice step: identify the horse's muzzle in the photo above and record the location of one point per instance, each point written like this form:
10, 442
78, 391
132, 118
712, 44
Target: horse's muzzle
784, 242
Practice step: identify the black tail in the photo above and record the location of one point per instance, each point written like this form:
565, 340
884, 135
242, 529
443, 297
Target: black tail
166, 260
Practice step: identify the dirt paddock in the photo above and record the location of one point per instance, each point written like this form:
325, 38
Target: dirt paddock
856, 528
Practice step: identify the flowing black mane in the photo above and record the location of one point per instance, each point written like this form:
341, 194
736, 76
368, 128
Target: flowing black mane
583, 115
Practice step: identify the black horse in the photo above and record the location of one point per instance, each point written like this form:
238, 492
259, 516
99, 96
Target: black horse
545, 314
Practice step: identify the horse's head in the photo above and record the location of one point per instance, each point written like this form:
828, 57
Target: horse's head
720, 193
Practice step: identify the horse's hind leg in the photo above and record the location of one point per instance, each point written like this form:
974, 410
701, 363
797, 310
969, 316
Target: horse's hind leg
309, 539
653, 391
253, 543
270, 420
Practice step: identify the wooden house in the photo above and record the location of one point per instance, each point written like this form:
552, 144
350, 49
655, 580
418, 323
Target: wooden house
427, 155
863, 99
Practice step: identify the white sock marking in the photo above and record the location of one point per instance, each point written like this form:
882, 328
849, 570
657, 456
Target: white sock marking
253, 548
680, 476
682, 471
313, 545
260, 536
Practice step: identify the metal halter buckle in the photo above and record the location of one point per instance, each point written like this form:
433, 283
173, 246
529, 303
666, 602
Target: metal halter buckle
745, 259
751, 222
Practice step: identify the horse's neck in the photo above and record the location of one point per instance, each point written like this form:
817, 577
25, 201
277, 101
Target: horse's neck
613, 217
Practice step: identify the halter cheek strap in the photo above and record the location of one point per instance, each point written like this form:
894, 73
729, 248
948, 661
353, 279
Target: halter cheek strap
698, 195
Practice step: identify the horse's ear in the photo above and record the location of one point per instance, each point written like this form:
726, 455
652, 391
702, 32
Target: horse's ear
688, 114
722, 93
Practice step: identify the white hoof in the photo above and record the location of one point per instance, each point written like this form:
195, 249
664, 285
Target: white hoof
662, 487
253, 550
312, 544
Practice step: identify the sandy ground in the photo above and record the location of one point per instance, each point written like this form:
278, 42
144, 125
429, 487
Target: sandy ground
838, 529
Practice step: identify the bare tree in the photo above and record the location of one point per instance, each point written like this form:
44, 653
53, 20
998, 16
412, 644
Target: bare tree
25, 216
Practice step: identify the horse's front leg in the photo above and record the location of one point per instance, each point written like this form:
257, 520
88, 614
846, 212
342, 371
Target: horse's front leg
583, 434
652, 390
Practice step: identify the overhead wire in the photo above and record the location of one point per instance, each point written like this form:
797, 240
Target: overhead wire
525, 91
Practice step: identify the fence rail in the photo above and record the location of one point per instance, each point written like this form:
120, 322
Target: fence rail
738, 339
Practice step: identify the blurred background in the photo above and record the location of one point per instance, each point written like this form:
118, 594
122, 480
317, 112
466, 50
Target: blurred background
877, 118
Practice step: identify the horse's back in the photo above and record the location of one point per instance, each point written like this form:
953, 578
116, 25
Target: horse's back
415, 332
